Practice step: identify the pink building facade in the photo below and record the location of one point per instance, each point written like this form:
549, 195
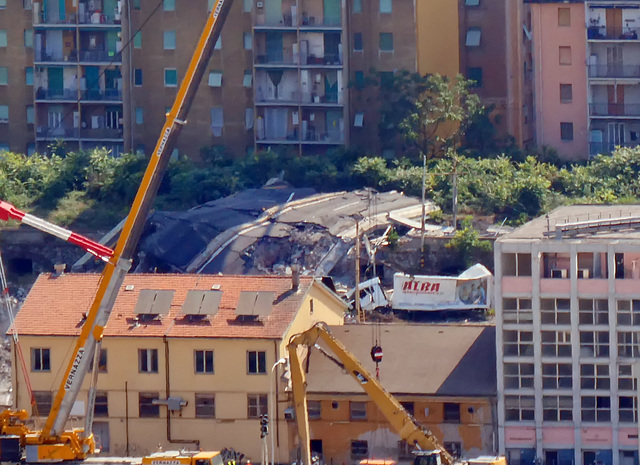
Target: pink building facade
568, 337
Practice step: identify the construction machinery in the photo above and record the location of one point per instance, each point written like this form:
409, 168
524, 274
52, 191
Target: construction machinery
428, 451
18, 443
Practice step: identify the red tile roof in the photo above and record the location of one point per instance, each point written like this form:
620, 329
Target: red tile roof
55, 305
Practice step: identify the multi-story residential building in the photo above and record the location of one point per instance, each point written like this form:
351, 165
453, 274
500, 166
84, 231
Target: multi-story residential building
443, 374
567, 300
213, 342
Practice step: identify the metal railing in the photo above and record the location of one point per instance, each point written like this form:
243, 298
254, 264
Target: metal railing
612, 33
614, 109
48, 94
86, 56
604, 148
614, 71
303, 21
102, 94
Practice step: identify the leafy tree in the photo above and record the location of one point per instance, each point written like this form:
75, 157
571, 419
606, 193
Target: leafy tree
468, 246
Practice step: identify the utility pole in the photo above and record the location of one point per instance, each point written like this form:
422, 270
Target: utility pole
356, 293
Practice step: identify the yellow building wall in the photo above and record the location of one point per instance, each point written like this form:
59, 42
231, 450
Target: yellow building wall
438, 46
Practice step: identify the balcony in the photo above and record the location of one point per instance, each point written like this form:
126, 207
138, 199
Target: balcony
612, 33
102, 95
86, 57
613, 110
614, 71
46, 133
64, 95
604, 148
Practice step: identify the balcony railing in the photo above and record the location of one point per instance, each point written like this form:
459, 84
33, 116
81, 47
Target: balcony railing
604, 148
614, 109
98, 134
99, 56
102, 95
70, 20
614, 71
277, 59
65, 94
86, 56
303, 21
612, 33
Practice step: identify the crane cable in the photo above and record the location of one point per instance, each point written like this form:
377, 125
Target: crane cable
8, 301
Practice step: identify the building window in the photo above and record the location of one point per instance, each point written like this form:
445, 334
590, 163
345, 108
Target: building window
4, 113
358, 120
148, 360
169, 5
357, 41
564, 54
628, 312
564, 17
205, 406
451, 412
101, 406
472, 2
169, 40
359, 449
386, 6
556, 376
594, 343
210, 5
137, 40
357, 6
628, 344
215, 78
247, 38
3, 4
257, 405
593, 311
566, 93
28, 38
27, 4
314, 409
136, 4
247, 80
247, 5
204, 361
102, 362
557, 408
516, 310
30, 114
139, 115
516, 264
170, 77
556, 343
474, 35
43, 400
3, 38
566, 131
410, 407
555, 311
357, 410
454, 449
519, 408
518, 343
40, 358
596, 408
386, 41
359, 79
137, 77
256, 362
626, 379
475, 74
217, 122
518, 375
248, 118
627, 409
146, 407
28, 76
218, 45
4, 76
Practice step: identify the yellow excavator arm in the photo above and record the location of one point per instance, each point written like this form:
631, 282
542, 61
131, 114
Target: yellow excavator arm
402, 421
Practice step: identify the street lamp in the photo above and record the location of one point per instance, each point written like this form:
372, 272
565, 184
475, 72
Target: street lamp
272, 410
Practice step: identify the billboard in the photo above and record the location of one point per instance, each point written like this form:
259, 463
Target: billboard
472, 289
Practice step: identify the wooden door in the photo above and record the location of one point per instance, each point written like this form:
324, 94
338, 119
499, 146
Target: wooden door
615, 99
614, 23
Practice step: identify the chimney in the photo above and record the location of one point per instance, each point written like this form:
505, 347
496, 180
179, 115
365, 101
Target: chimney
295, 277
59, 269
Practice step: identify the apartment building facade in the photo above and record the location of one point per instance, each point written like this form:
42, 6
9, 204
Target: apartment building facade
567, 306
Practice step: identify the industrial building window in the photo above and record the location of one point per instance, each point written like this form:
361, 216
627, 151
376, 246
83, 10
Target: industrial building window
169, 5
519, 408
556, 376
566, 93
215, 78
137, 77
628, 409
40, 358
594, 344
247, 38
386, 41
3, 38
314, 409
564, 17
386, 6
628, 344
566, 131
472, 2
4, 76
101, 406
454, 448
139, 115
518, 343
475, 74
359, 449
148, 360
28, 38
474, 35
28, 76
626, 379
43, 401
247, 80
557, 408
516, 310
357, 6
146, 407
556, 343
257, 404
564, 55
518, 375
256, 362
357, 41
596, 408
555, 311
169, 40
357, 410
204, 361
593, 311
451, 412
30, 114
628, 312
170, 77
137, 40
594, 377
205, 406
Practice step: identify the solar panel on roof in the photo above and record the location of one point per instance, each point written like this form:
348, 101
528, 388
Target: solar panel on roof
201, 303
255, 303
153, 302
